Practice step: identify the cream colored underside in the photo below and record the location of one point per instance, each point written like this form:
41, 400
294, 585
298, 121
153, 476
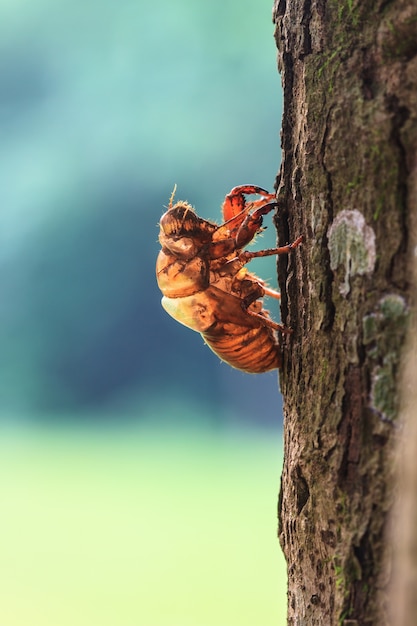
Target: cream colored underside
192, 311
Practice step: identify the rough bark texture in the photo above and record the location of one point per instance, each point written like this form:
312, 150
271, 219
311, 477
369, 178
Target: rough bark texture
348, 182
404, 522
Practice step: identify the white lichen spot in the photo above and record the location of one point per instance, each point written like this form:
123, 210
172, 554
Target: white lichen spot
352, 245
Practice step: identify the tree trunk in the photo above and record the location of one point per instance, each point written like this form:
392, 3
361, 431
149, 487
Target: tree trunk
348, 182
404, 523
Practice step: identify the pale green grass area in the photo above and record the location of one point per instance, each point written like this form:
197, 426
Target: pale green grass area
131, 528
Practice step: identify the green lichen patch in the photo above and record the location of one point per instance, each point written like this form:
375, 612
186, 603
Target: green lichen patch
393, 309
383, 391
383, 332
382, 328
351, 245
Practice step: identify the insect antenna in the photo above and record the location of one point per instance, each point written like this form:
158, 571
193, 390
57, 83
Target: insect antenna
171, 199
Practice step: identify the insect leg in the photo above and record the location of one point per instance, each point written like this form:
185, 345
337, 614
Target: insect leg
235, 202
272, 293
252, 224
246, 256
266, 321
245, 225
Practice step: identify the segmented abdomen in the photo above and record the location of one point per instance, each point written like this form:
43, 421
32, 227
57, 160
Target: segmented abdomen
252, 350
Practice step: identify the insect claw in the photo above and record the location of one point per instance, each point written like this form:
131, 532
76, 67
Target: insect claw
297, 242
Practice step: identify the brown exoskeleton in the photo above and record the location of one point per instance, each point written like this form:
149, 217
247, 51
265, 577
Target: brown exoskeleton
206, 286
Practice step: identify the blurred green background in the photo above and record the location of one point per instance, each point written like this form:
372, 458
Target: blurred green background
139, 475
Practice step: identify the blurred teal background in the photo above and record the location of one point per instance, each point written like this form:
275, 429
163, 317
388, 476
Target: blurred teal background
139, 475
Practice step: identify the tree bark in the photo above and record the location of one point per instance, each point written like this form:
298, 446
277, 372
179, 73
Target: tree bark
404, 522
348, 182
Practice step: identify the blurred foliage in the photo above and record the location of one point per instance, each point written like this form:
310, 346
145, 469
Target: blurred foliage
103, 107
129, 531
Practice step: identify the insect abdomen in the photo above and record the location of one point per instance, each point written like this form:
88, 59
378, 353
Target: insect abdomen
252, 350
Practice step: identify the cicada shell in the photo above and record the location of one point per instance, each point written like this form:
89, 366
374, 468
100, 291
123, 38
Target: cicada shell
201, 271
